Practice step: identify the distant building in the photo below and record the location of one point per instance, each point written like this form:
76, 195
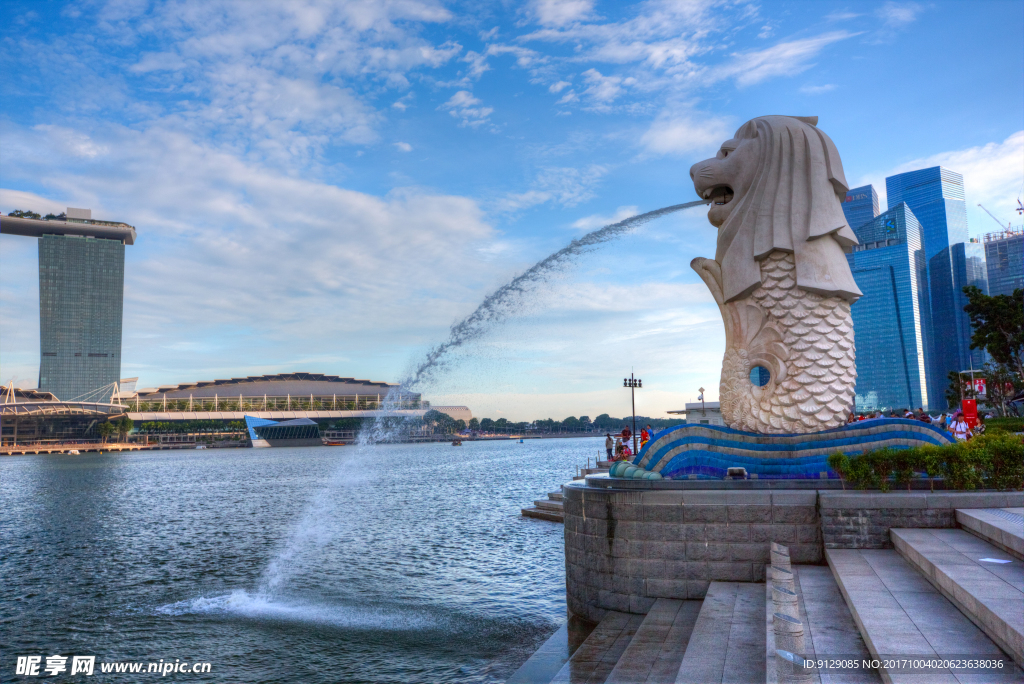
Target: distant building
1004, 258
968, 270
860, 205
708, 413
887, 320
81, 301
936, 198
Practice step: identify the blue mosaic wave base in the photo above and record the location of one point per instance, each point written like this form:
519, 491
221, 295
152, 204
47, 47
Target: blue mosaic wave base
706, 451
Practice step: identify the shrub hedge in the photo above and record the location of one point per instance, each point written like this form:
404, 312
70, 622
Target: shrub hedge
994, 460
1010, 424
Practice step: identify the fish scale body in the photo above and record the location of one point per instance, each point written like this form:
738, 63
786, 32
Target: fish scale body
806, 342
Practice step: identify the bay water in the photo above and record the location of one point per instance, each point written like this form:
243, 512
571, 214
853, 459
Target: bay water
383, 563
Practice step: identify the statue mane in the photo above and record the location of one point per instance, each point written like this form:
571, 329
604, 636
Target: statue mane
794, 205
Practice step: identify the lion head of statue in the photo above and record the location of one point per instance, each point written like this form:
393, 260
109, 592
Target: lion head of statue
778, 184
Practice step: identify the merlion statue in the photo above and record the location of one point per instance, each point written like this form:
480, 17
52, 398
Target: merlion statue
780, 276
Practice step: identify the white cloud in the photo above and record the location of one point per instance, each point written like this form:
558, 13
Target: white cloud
817, 89
785, 59
463, 106
30, 201
898, 14
565, 186
561, 12
595, 221
403, 147
993, 176
682, 134
558, 87
225, 245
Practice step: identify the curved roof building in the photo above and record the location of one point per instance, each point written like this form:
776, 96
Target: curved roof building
279, 385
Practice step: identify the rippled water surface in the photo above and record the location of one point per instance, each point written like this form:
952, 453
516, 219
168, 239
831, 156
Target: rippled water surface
390, 563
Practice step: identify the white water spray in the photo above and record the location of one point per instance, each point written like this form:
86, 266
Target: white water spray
390, 421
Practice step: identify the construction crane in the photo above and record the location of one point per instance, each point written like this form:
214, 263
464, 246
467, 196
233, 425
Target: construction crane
1008, 226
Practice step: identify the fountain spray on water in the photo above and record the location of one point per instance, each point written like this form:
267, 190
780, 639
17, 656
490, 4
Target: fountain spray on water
495, 308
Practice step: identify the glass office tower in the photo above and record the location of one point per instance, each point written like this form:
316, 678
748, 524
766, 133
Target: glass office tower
81, 299
936, 197
1004, 259
860, 206
888, 321
968, 270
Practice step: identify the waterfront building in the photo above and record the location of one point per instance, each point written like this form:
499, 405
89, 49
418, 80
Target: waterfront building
936, 198
860, 205
288, 433
888, 324
707, 413
1004, 259
81, 301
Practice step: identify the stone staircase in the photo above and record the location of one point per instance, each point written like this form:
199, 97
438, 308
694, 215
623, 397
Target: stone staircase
939, 593
547, 509
551, 508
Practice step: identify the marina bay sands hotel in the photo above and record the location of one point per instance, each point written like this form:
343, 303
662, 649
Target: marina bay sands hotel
81, 301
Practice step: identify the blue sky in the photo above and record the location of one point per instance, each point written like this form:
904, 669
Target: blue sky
328, 186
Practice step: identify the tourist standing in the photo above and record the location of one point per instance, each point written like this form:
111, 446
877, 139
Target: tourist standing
608, 445
960, 429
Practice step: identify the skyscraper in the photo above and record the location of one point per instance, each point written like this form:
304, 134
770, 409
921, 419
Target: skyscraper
1004, 257
887, 320
860, 206
968, 270
936, 197
81, 296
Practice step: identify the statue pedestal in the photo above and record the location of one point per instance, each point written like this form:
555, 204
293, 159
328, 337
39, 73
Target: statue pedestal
706, 451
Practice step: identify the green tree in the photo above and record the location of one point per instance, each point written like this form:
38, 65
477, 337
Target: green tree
474, 424
124, 426
105, 430
998, 324
501, 426
571, 424
1001, 384
21, 213
487, 425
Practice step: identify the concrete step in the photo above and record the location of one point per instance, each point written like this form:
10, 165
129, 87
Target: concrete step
594, 660
900, 614
555, 496
549, 505
553, 516
1003, 527
592, 471
553, 654
990, 594
656, 650
829, 628
727, 643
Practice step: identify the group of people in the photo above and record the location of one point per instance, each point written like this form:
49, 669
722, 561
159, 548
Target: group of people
618, 449
951, 422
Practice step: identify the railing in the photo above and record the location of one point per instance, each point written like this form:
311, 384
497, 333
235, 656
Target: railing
158, 404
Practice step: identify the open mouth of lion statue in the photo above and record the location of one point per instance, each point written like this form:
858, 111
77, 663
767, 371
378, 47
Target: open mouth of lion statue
719, 195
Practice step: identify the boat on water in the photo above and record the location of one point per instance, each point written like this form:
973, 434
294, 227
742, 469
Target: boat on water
74, 451
457, 442
201, 446
333, 442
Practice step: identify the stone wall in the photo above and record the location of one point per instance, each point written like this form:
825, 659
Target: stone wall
626, 548
862, 520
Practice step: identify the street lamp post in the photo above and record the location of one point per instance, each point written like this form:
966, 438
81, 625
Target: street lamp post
633, 383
